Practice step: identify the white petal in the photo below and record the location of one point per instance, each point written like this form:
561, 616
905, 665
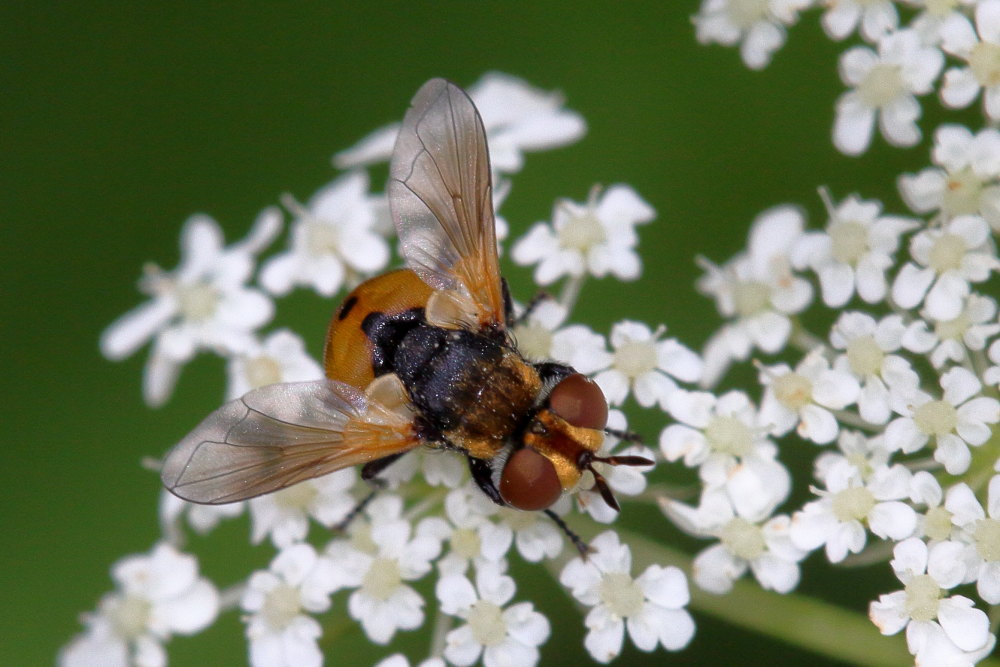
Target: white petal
888, 613
818, 424
837, 281
945, 299
945, 563
960, 87
911, 284
959, 385
852, 127
894, 520
965, 625
130, 331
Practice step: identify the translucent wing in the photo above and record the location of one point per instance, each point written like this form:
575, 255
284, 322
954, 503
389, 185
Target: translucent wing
279, 435
442, 201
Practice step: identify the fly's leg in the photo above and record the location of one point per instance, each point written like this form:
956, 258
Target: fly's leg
577, 541
482, 473
369, 473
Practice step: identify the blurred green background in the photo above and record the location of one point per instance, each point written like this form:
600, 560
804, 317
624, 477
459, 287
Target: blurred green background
120, 121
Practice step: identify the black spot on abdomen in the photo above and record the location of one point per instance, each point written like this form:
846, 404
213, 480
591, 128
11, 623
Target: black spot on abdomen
346, 307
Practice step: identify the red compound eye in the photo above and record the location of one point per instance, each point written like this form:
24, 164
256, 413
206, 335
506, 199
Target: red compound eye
529, 481
579, 401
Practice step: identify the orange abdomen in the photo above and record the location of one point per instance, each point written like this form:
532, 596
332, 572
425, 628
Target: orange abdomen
347, 355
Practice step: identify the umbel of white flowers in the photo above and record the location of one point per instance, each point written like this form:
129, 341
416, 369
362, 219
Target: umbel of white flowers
898, 399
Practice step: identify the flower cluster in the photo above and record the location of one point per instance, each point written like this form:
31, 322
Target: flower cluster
338, 553
874, 339
900, 390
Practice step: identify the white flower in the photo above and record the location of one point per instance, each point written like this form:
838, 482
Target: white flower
981, 54
500, 636
646, 365
866, 454
932, 646
922, 608
280, 599
981, 530
887, 379
723, 438
281, 357
936, 522
540, 338
623, 480
597, 237
948, 258
651, 607
837, 520
380, 558
472, 536
203, 304
804, 397
332, 240
534, 333
759, 26
959, 419
518, 118
975, 324
965, 180
160, 594
876, 17
757, 543
757, 290
933, 15
884, 84
854, 252
284, 514
536, 536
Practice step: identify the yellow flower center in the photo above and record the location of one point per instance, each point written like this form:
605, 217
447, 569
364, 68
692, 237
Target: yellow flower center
848, 240
262, 371
751, 298
729, 435
744, 539
987, 536
281, 606
198, 301
487, 624
853, 504
534, 342
922, 597
582, 233
745, 13
792, 390
937, 523
882, 85
936, 418
466, 543
946, 253
984, 61
962, 191
622, 596
382, 578
865, 356
130, 616
636, 357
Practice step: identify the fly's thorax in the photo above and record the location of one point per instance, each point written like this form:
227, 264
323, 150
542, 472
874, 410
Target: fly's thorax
472, 389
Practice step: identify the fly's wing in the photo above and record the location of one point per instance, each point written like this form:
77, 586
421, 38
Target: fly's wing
442, 202
279, 435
